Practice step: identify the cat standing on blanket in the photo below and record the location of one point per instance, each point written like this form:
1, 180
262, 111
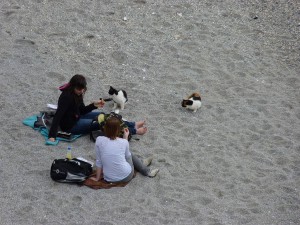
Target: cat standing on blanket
119, 97
193, 102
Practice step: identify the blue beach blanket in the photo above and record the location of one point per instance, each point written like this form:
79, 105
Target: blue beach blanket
31, 122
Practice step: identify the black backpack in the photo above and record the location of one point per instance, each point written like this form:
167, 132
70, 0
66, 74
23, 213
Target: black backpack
45, 120
70, 170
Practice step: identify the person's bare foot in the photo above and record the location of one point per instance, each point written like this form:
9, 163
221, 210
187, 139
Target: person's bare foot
141, 130
139, 124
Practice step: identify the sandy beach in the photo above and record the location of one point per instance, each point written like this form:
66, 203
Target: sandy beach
234, 161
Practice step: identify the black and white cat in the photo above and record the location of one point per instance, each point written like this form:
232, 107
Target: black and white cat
119, 97
193, 102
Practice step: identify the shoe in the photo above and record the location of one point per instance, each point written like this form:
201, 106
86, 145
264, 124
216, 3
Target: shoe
147, 161
153, 173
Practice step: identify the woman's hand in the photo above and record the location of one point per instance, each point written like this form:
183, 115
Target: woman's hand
51, 139
126, 133
99, 103
94, 178
99, 174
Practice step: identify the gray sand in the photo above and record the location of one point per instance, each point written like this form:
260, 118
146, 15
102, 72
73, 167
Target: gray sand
235, 161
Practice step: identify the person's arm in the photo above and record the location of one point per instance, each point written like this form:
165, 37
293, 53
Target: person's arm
126, 133
62, 106
99, 174
127, 152
84, 109
99, 170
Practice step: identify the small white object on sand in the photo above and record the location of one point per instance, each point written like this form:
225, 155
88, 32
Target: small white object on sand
52, 106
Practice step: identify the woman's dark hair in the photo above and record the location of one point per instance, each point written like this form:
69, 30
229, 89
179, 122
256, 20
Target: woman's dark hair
77, 82
112, 128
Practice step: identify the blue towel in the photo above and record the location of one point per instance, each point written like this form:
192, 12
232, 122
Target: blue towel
29, 121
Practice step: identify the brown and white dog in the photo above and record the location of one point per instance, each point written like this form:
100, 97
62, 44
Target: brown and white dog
193, 102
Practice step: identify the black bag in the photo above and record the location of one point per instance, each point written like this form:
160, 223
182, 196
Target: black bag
45, 119
70, 170
96, 133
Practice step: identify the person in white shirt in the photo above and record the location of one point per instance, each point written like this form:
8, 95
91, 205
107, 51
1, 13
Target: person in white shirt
114, 161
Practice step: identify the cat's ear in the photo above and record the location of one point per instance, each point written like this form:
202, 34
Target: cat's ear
110, 90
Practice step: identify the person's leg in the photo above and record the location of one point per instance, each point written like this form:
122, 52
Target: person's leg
136, 127
141, 130
84, 126
139, 124
139, 165
90, 115
131, 127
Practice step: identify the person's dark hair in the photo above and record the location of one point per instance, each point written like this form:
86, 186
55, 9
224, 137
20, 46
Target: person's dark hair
78, 81
112, 128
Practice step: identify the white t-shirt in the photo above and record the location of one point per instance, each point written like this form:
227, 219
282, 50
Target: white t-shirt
111, 157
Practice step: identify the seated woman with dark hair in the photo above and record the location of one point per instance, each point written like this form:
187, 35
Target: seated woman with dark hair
114, 161
73, 116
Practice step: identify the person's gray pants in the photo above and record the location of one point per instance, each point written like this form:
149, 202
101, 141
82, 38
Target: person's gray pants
136, 164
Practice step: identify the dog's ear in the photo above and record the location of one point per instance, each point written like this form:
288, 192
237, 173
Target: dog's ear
183, 103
